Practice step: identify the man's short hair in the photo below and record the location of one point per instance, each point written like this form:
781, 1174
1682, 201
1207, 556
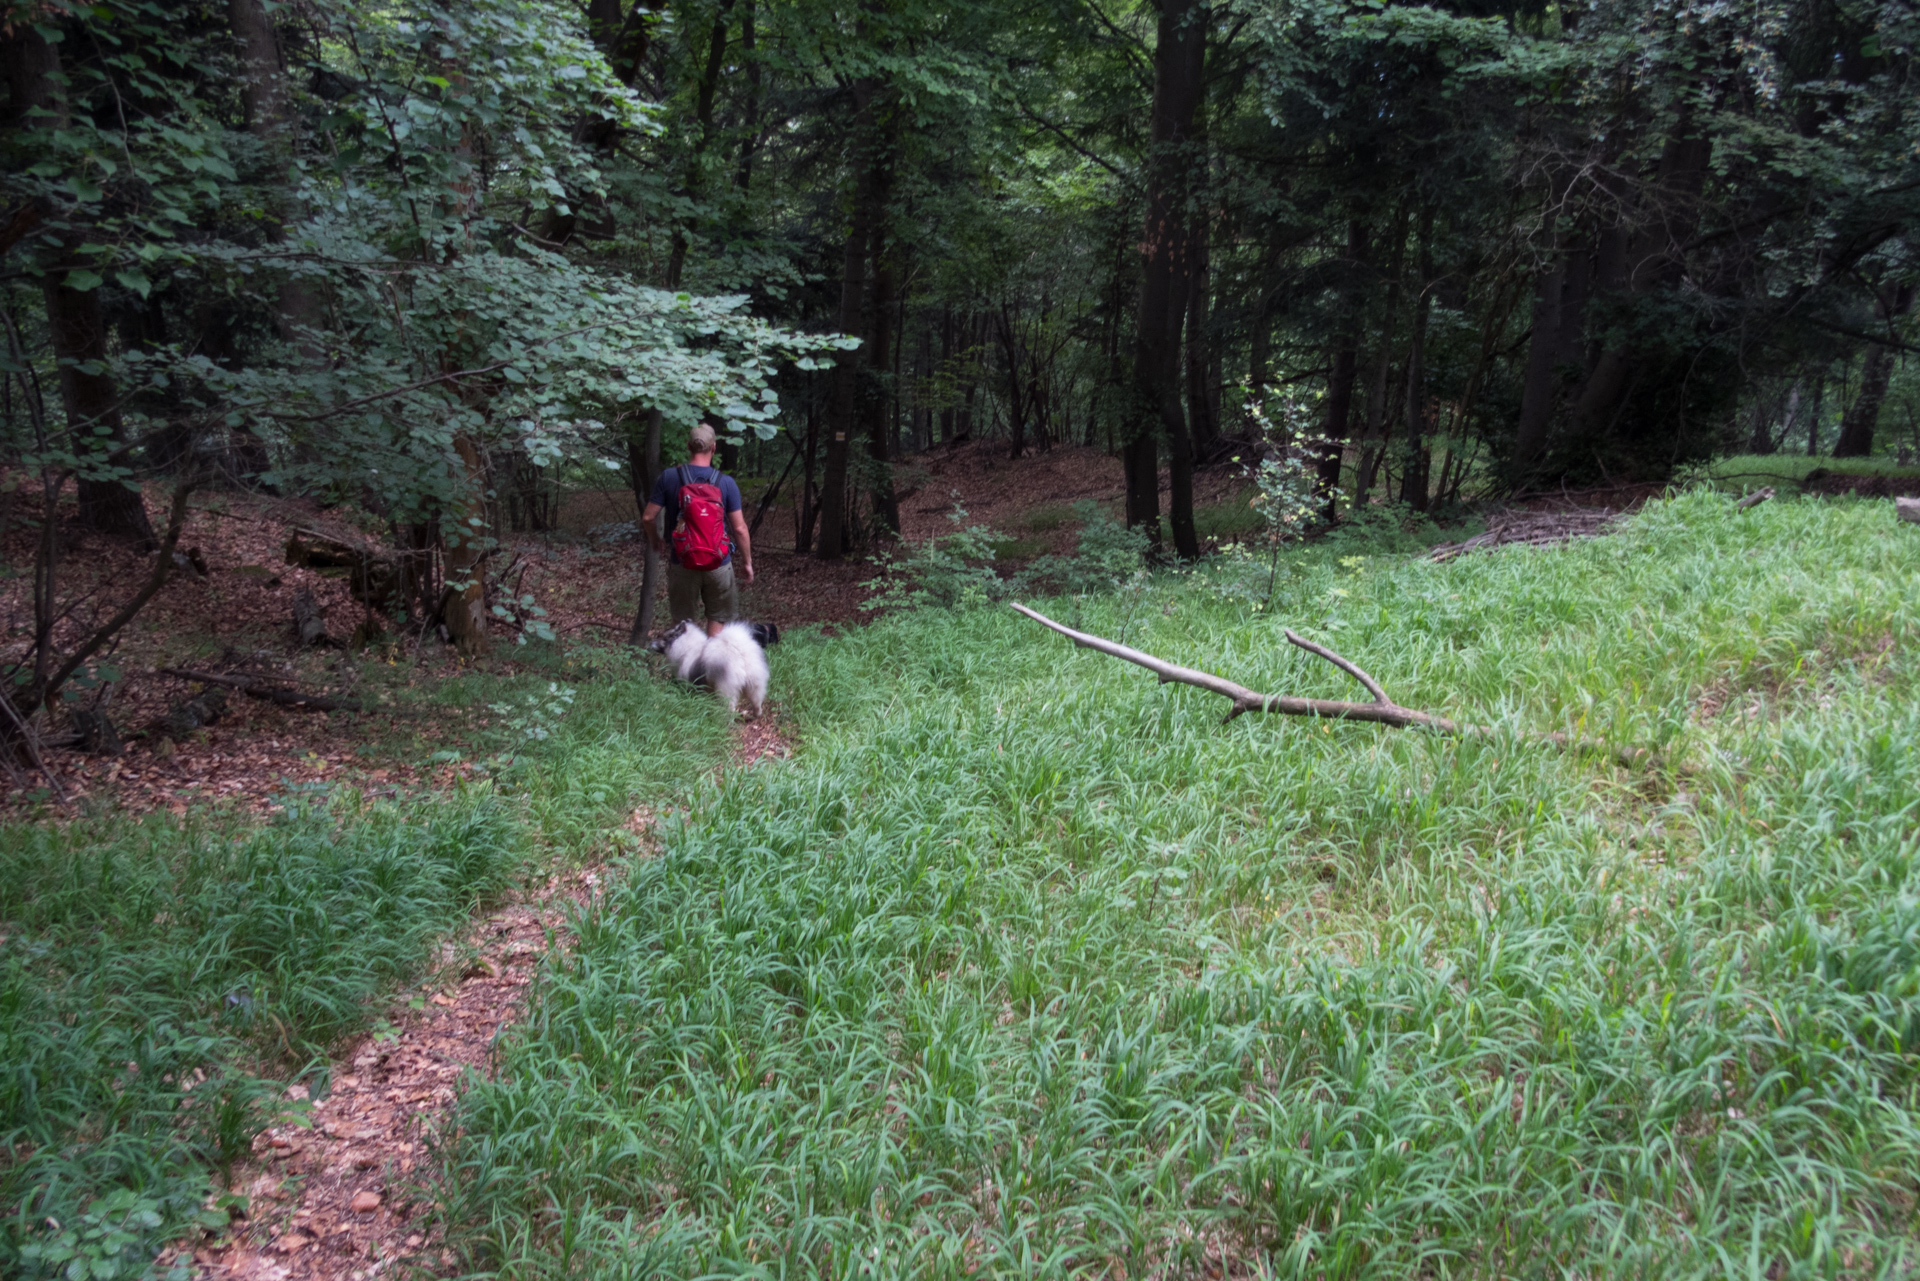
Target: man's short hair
702, 440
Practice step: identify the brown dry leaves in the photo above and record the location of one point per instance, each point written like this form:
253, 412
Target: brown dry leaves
341, 1200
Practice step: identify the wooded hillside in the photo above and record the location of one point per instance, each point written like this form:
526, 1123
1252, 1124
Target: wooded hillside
438, 263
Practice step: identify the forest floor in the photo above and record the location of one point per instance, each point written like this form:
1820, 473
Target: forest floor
394, 1139
236, 619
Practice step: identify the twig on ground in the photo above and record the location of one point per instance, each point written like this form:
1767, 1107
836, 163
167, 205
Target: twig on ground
31, 742
1381, 711
280, 695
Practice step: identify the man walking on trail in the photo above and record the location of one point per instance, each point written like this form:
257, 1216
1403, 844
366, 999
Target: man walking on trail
698, 499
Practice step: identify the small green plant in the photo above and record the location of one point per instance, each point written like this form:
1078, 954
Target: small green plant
954, 570
1288, 497
1107, 555
115, 1238
534, 717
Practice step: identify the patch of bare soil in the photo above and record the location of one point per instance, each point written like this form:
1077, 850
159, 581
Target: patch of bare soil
340, 1199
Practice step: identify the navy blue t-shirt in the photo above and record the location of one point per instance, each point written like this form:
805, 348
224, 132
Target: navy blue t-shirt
666, 492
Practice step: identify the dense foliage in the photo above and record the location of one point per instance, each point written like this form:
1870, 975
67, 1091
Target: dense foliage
427, 258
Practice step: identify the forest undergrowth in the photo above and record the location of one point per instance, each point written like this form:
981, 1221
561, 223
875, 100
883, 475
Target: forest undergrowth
1024, 965
162, 981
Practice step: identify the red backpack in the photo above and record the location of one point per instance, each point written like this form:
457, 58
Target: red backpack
701, 541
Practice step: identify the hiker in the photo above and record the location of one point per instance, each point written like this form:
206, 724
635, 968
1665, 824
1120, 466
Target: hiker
702, 506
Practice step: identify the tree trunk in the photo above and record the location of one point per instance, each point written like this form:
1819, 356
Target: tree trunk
1339, 423
1863, 415
750, 121
886, 508
77, 327
1201, 405
1156, 411
1647, 259
1813, 418
643, 464
843, 410
463, 606
623, 36
1763, 440
1414, 485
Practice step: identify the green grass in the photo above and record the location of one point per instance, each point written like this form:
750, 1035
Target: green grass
1044, 518
156, 980
1751, 471
1027, 966
1018, 549
159, 984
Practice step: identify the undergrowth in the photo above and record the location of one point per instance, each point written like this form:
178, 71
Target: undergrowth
161, 984
1026, 965
157, 982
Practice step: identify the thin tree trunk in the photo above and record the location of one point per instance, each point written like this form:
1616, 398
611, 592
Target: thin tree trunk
844, 406
1414, 485
1813, 419
1340, 380
886, 508
463, 601
643, 464
750, 115
1199, 349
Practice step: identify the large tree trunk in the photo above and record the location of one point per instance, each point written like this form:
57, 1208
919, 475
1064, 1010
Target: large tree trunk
1648, 259
1179, 63
1863, 415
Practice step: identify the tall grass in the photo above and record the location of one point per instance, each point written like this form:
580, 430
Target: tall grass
155, 980
1028, 966
159, 982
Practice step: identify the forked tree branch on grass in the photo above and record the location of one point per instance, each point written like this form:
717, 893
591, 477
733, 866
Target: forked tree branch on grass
1380, 711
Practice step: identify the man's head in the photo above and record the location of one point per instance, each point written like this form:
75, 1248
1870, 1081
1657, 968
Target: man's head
702, 440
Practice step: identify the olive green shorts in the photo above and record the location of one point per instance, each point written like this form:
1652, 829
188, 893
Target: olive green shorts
689, 589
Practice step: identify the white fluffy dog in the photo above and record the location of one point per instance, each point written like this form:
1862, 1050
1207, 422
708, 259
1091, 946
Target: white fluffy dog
732, 664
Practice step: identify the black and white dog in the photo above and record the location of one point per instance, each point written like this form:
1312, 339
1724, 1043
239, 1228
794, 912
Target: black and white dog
733, 664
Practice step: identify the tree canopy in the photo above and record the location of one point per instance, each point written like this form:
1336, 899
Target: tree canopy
416, 256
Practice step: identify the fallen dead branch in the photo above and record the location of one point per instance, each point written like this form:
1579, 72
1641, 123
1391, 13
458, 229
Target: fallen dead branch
1380, 711
280, 695
1754, 499
1535, 529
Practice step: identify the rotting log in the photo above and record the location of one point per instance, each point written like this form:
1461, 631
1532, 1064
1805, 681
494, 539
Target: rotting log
1381, 710
309, 620
377, 578
1754, 499
268, 691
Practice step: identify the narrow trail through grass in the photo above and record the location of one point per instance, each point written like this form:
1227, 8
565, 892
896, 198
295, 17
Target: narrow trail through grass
1026, 966
167, 989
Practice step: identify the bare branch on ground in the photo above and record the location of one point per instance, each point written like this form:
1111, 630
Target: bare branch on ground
1381, 711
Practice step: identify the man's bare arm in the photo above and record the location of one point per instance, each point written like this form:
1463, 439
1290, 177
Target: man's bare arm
650, 522
743, 542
